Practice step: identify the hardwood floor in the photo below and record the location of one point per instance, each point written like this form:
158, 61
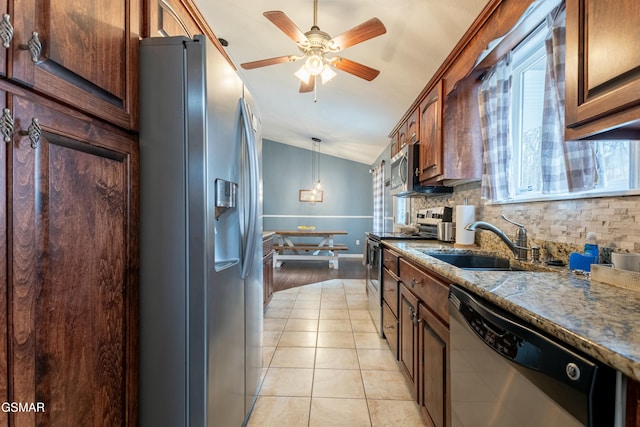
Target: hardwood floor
299, 273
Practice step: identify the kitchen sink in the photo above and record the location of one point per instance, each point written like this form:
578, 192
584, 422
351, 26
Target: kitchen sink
468, 261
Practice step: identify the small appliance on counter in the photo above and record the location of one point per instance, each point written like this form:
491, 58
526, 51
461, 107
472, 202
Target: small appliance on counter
437, 221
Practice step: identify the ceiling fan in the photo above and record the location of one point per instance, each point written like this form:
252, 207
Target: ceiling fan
317, 49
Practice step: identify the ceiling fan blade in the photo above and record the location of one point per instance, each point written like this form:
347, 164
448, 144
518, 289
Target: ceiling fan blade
308, 87
265, 62
286, 25
354, 68
363, 32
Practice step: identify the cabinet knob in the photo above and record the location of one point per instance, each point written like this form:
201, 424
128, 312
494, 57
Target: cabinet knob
34, 46
6, 31
34, 131
6, 125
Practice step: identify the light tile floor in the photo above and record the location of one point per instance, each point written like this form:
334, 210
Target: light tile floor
324, 364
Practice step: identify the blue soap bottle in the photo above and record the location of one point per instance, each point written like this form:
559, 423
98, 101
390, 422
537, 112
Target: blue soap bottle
591, 247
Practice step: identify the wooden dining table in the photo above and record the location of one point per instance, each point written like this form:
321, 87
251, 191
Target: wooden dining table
319, 246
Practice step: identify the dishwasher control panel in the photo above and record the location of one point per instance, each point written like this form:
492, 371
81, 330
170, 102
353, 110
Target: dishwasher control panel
503, 342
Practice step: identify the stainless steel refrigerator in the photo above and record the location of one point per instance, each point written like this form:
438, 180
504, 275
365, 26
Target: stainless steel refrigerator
201, 238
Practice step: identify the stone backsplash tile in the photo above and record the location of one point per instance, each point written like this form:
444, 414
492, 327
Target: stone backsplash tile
557, 227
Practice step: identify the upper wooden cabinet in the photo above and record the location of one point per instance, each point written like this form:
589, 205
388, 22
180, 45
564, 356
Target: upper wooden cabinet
413, 127
394, 145
402, 137
168, 18
602, 67
84, 54
431, 166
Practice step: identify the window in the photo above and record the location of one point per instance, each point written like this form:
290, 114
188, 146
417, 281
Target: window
617, 161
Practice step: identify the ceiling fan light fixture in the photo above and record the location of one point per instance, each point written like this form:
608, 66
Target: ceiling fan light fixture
303, 75
327, 74
314, 64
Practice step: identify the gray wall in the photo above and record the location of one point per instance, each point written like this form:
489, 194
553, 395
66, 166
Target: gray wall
347, 203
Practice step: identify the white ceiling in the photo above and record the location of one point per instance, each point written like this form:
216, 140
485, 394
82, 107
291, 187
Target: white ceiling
353, 117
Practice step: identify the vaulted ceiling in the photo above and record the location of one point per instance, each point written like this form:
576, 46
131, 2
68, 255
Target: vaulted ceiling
352, 116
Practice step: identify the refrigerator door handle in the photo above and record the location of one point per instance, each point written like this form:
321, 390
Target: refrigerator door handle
249, 238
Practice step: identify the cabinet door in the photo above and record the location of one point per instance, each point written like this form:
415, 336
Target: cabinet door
4, 309
390, 329
168, 18
413, 128
4, 40
395, 147
433, 376
402, 137
82, 53
431, 144
73, 324
390, 290
602, 65
408, 337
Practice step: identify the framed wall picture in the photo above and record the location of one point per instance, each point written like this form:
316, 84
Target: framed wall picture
309, 196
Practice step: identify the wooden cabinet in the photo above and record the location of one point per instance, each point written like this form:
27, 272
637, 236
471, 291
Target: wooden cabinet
431, 142
390, 328
413, 127
84, 54
73, 298
394, 145
5, 149
462, 157
390, 295
408, 336
633, 403
602, 67
402, 137
424, 340
168, 18
433, 379
267, 269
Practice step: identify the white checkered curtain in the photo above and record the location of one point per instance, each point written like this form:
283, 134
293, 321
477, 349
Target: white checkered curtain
378, 197
567, 166
494, 100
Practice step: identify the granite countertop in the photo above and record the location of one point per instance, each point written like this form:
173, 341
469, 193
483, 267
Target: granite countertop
599, 319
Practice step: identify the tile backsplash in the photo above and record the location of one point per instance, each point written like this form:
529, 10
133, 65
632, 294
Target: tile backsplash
557, 227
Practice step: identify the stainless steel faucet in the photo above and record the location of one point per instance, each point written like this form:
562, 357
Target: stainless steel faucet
518, 247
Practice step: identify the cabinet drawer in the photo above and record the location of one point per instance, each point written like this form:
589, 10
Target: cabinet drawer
390, 290
390, 260
430, 290
390, 329
267, 246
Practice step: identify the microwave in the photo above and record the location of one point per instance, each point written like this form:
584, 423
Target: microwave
405, 175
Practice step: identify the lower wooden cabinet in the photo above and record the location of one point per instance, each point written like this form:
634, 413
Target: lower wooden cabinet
423, 345
72, 288
390, 328
408, 336
433, 377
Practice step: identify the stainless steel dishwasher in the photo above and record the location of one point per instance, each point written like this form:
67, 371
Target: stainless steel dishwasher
504, 372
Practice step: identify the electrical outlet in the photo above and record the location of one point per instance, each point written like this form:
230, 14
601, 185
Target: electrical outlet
357, 242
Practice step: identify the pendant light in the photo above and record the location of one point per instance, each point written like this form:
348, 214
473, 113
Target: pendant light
316, 185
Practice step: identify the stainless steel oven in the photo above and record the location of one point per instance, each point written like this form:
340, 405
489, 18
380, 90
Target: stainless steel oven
504, 372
